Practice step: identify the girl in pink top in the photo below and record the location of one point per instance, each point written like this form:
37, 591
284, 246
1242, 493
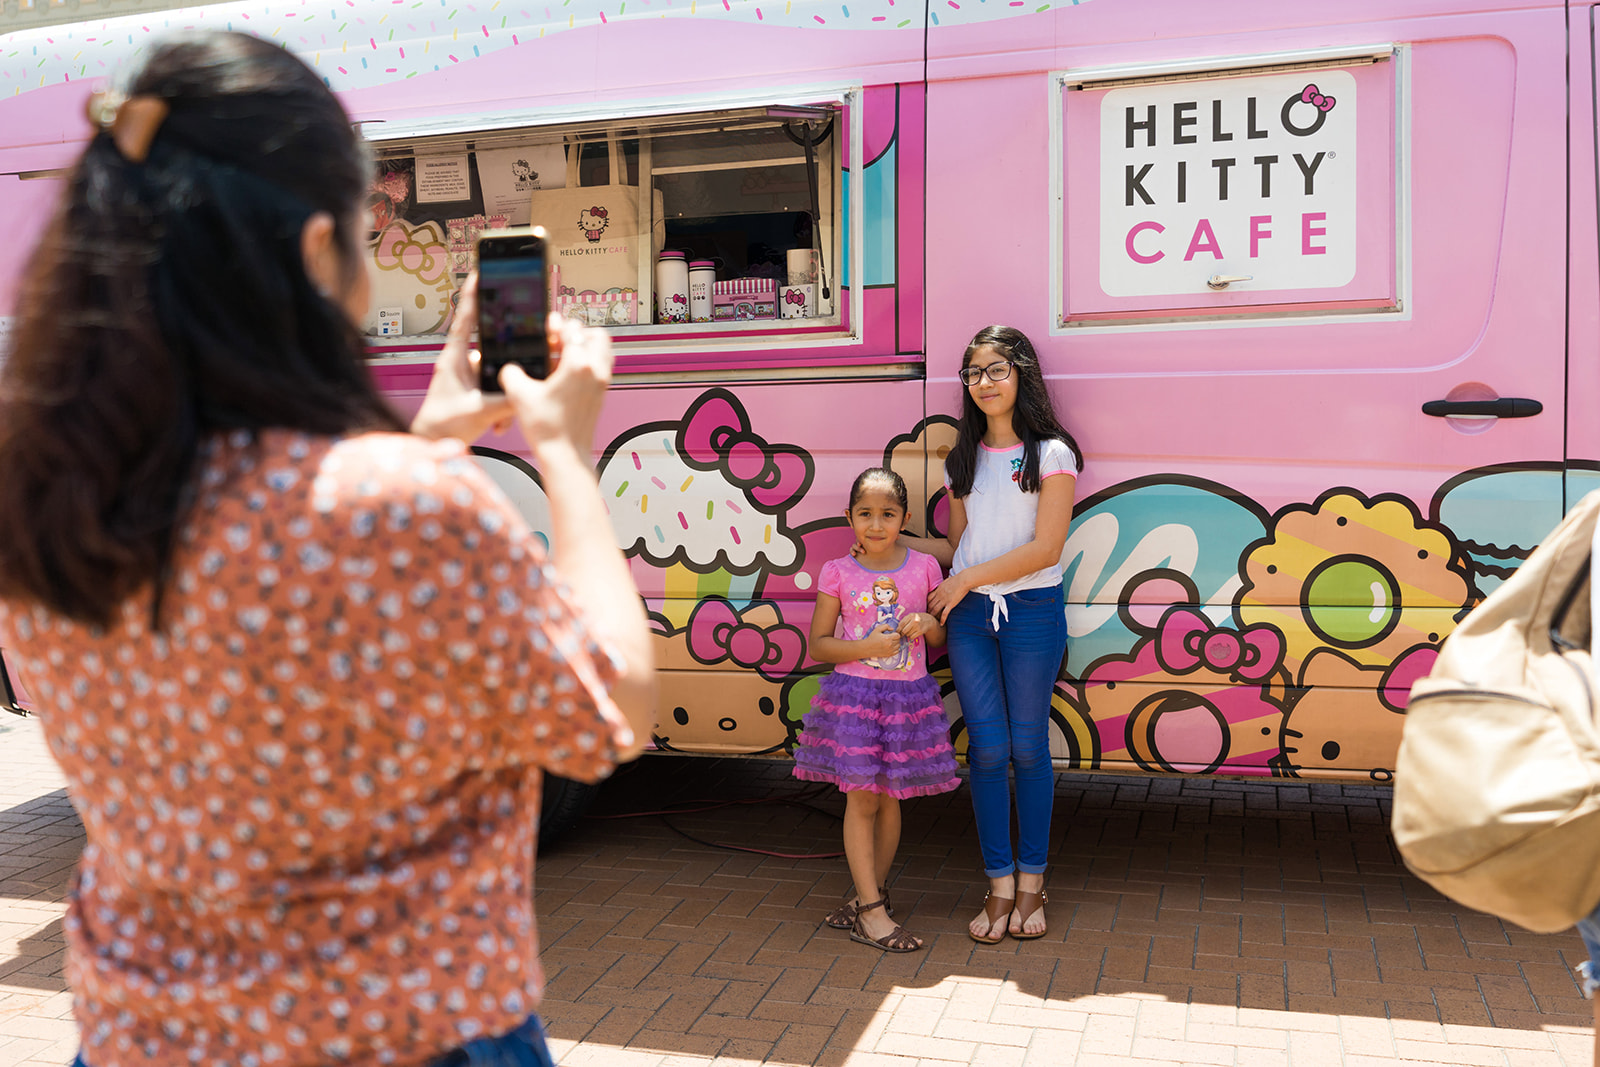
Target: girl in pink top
877, 727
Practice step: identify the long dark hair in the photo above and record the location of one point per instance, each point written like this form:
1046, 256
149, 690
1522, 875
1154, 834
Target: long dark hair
167, 301
1033, 418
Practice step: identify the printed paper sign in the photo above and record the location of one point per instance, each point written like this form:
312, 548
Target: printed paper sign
509, 175
1232, 176
441, 179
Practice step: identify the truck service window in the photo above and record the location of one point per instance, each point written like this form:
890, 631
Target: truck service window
724, 223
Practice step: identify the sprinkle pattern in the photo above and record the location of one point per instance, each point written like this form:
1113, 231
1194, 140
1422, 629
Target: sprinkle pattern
397, 35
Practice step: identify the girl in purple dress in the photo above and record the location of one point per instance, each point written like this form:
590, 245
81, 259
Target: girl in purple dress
877, 727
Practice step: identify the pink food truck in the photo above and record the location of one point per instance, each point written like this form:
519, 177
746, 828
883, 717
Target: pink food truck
1317, 287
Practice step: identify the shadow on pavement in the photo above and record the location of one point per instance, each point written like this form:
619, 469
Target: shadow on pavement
1175, 905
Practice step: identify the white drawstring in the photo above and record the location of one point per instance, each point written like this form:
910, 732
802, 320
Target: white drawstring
1000, 612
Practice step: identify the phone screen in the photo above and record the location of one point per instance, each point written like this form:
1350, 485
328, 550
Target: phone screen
513, 300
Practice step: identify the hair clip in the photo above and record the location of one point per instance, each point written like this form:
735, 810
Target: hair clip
132, 122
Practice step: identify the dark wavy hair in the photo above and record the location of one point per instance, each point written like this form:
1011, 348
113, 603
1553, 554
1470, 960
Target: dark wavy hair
168, 301
1033, 418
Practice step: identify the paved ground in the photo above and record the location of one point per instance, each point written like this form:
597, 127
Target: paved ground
1192, 922
40, 837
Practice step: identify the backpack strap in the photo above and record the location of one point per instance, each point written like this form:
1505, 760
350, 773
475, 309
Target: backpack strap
1569, 599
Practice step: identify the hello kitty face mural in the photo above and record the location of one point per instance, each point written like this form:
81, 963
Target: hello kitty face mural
733, 664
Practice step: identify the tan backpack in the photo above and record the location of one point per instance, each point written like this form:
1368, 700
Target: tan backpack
1497, 787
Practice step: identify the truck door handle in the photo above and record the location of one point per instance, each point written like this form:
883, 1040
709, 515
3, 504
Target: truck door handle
1506, 407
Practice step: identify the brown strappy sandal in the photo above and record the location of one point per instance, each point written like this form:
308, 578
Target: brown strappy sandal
897, 940
1027, 906
844, 916
994, 908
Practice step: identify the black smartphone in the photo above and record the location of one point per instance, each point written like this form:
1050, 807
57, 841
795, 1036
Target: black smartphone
513, 300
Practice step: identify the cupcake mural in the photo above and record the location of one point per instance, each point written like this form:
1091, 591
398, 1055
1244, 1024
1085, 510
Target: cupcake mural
706, 491
704, 499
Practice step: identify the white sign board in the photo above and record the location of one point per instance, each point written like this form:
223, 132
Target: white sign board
442, 179
1233, 176
509, 177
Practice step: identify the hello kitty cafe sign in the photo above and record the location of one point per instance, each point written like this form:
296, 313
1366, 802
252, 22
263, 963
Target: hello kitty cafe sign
1259, 177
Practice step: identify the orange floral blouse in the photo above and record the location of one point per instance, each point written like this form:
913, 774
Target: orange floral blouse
311, 799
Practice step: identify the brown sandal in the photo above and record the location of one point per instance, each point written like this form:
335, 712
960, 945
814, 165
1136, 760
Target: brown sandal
897, 940
994, 908
1027, 906
844, 916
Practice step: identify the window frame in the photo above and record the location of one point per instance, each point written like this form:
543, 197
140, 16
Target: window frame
714, 345
1269, 312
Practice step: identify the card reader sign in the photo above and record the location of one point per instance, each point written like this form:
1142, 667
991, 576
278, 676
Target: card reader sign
1233, 176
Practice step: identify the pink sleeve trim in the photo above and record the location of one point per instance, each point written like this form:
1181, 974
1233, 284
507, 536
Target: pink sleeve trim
1065, 460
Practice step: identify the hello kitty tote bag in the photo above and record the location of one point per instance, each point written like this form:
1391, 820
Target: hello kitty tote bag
597, 239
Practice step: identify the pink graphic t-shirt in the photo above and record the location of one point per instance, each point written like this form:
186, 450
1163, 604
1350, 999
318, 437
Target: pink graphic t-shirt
868, 599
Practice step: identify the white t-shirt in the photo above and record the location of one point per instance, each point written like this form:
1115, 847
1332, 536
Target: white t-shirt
1000, 516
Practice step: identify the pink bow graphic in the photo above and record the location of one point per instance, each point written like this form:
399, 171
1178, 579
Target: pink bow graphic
716, 435
1310, 95
793, 296
1403, 673
717, 632
600, 212
1187, 641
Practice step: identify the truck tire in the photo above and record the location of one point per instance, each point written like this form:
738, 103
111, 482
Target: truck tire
562, 804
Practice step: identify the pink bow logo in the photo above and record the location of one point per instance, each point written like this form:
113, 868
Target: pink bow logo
793, 296
600, 212
717, 633
1310, 95
716, 435
1187, 641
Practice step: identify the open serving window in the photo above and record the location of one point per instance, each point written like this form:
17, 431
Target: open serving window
706, 228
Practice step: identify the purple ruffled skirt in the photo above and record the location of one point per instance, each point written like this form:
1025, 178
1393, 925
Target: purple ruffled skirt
887, 735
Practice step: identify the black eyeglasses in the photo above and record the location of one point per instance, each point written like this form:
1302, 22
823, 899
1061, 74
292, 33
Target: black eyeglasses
995, 372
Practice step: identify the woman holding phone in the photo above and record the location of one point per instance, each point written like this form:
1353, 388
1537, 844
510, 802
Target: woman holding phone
302, 669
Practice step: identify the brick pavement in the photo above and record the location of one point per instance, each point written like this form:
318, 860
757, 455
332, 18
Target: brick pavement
40, 837
1192, 922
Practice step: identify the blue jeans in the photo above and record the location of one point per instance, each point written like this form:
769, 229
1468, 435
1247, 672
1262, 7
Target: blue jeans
1589, 970
522, 1047
1005, 678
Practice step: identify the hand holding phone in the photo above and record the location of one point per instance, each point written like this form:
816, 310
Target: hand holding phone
513, 302
562, 412
454, 405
